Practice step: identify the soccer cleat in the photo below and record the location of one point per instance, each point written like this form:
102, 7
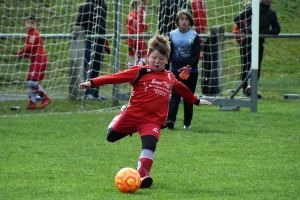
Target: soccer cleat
248, 90
246, 94
187, 127
170, 125
146, 182
259, 96
45, 102
31, 106
89, 97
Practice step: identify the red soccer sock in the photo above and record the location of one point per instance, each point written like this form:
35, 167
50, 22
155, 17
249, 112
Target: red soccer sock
145, 165
42, 94
39, 90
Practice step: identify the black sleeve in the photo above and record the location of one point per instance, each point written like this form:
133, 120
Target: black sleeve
275, 25
244, 15
194, 59
83, 16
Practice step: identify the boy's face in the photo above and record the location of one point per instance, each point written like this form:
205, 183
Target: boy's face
157, 61
30, 24
183, 22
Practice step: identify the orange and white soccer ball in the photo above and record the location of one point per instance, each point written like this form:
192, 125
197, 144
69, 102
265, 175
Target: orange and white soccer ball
128, 180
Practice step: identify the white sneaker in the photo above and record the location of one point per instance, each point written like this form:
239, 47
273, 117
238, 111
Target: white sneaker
89, 97
187, 126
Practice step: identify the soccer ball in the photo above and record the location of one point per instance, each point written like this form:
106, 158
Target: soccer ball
127, 180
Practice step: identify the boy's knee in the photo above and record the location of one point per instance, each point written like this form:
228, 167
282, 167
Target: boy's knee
113, 136
110, 133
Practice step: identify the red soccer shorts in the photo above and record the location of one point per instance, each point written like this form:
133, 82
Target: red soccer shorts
37, 69
137, 46
128, 124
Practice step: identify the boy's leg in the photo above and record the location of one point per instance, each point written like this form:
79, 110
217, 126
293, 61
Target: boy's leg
87, 69
112, 135
45, 99
31, 92
35, 88
146, 159
142, 52
131, 54
188, 108
97, 60
246, 63
173, 109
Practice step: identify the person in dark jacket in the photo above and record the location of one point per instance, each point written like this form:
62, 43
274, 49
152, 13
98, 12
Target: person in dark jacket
92, 16
184, 59
267, 19
167, 14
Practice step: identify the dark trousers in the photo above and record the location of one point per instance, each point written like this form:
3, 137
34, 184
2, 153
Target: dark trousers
92, 69
175, 100
245, 51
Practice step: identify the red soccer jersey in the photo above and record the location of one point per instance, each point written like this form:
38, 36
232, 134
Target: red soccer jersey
136, 22
132, 22
151, 91
142, 21
34, 46
199, 14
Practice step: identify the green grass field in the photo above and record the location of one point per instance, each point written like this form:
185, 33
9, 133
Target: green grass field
226, 155
61, 152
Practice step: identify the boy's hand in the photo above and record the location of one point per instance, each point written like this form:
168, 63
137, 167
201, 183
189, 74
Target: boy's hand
85, 85
184, 72
204, 102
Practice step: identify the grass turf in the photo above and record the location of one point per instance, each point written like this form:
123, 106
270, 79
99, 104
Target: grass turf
238, 155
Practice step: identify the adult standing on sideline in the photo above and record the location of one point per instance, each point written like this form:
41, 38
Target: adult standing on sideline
267, 18
92, 16
184, 59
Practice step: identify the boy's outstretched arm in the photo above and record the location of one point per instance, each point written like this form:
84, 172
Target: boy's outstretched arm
85, 85
201, 102
188, 96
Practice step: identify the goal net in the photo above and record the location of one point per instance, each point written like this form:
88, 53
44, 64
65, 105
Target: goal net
65, 45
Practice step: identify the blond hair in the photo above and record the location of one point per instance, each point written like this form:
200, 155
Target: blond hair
161, 44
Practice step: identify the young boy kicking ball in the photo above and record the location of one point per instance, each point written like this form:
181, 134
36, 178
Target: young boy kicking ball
147, 110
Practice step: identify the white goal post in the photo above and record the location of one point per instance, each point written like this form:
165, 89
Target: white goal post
65, 47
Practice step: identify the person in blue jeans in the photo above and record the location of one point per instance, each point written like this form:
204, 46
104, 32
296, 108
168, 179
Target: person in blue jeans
92, 16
